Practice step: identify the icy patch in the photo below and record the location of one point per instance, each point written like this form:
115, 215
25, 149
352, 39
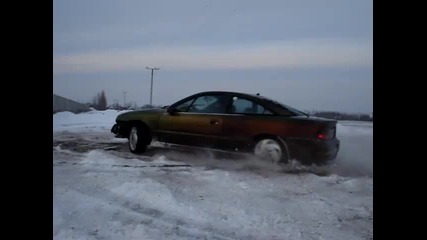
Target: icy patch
158, 144
57, 216
357, 185
295, 166
334, 179
100, 157
138, 232
59, 149
162, 159
64, 234
118, 140
266, 168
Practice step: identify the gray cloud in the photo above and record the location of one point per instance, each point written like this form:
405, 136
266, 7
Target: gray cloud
273, 54
311, 54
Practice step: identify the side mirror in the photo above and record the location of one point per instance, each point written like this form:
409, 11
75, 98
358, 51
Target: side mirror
172, 111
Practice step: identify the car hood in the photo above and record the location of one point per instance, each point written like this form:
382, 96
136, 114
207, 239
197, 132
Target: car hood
148, 110
129, 114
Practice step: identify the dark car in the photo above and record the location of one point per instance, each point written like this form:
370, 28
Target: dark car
233, 121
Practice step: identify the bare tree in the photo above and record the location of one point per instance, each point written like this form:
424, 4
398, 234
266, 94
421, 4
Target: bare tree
94, 102
102, 101
99, 102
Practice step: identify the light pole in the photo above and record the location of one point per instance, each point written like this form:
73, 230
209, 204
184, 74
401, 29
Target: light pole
124, 99
151, 89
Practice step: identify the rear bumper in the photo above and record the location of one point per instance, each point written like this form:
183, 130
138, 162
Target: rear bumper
314, 151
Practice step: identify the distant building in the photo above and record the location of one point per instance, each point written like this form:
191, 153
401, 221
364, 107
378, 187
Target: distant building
61, 104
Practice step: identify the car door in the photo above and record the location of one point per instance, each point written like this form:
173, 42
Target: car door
195, 122
243, 120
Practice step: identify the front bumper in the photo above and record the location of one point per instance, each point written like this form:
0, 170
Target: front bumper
118, 131
115, 129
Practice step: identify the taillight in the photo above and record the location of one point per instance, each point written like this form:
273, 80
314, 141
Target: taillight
321, 136
326, 134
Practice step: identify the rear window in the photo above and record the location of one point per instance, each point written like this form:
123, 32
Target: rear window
286, 110
244, 106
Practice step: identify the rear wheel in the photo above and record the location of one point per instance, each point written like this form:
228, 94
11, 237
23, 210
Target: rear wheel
271, 150
136, 140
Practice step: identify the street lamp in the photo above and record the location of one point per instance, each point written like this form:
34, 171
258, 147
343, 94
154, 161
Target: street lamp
151, 89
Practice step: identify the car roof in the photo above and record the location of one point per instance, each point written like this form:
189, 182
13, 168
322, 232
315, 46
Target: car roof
230, 92
257, 96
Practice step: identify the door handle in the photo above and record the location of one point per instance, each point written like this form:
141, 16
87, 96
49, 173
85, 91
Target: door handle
214, 122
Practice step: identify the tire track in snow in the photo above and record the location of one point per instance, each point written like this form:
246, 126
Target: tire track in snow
155, 218
122, 165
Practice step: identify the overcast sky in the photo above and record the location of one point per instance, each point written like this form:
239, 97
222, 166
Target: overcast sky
310, 54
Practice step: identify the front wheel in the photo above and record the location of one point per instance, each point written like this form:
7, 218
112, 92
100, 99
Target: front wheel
136, 137
271, 150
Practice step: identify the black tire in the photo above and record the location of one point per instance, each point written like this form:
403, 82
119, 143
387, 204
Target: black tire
137, 136
277, 152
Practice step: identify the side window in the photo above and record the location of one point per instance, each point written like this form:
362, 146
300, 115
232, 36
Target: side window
183, 107
209, 104
241, 105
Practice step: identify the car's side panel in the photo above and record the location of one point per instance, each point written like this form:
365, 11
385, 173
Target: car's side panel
195, 129
240, 130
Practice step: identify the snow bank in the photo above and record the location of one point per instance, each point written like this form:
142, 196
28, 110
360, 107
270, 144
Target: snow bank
87, 121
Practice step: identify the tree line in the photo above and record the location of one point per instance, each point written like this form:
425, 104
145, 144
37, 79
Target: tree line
343, 116
99, 102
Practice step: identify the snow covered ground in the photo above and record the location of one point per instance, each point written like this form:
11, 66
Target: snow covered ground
101, 191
